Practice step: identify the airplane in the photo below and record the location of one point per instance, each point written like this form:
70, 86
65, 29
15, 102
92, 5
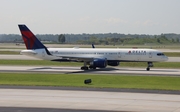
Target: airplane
92, 58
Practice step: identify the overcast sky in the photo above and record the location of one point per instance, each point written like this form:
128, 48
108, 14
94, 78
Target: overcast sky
91, 16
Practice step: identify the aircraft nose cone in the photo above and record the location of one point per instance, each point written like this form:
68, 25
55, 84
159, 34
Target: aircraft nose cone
166, 58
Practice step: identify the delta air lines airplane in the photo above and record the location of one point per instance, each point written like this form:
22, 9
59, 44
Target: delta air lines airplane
92, 58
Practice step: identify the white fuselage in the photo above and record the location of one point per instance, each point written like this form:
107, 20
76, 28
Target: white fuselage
127, 55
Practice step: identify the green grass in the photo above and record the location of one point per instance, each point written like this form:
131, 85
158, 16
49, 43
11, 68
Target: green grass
172, 54
50, 63
98, 81
9, 52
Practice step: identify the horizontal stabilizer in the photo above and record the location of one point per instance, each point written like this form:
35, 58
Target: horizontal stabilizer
28, 52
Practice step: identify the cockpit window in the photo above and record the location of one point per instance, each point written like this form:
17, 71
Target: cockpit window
160, 54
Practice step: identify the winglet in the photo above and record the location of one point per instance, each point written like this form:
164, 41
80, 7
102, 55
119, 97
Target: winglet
93, 46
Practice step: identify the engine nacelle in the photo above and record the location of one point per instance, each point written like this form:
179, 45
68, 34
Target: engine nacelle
113, 63
101, 63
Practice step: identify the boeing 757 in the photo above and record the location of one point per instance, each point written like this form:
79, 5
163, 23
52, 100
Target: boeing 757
92, 58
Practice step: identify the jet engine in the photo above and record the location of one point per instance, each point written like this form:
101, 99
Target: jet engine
113, 63
101, 63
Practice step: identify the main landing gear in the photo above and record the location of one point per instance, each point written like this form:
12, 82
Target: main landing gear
150, 64
92, 67
85, 67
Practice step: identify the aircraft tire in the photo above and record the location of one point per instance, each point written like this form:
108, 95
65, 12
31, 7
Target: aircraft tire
84, 68
147, 68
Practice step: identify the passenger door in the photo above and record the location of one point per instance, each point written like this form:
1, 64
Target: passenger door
119, 55
150, 54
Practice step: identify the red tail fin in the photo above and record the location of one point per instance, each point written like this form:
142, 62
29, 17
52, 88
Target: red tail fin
30, 39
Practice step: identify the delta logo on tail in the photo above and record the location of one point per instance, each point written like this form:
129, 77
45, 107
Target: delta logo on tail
29, 38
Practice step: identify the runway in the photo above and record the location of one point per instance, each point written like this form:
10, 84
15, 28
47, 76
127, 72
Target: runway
43, 100
17, 57
74, 70
71, 101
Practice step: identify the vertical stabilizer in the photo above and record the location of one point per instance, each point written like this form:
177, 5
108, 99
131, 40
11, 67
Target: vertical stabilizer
29, 38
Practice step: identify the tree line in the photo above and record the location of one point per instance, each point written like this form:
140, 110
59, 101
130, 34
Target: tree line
103, 39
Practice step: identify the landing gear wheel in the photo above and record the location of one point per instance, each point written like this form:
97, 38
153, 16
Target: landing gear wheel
150, 64
84, 68
92, 67
148, 69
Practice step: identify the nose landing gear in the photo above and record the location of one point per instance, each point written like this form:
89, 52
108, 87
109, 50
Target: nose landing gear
150, 64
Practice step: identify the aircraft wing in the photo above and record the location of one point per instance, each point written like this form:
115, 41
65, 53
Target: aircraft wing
80, 58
